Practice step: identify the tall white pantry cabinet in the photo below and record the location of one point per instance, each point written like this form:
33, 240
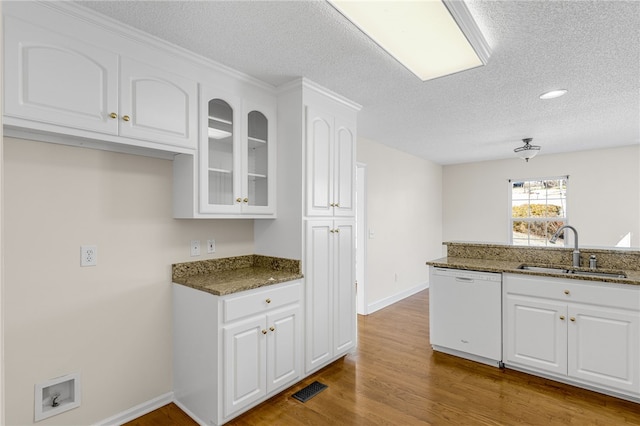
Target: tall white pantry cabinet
316, 210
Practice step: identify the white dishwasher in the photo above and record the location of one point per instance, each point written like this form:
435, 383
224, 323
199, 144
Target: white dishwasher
465, 314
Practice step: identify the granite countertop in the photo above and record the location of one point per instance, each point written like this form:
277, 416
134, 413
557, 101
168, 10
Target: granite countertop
503, 258
488, 265
234, 274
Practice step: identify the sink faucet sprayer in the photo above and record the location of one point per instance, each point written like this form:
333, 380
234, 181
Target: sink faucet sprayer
576, 252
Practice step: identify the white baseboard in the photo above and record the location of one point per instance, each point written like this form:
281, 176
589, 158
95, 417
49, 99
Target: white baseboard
190, 414
137, 411
376, 306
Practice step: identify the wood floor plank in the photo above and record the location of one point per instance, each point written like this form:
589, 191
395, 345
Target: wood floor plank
394, 378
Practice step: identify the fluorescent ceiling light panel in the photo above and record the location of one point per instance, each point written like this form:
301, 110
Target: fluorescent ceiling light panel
421, 34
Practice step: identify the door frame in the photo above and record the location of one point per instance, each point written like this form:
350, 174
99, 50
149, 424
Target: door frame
362, 307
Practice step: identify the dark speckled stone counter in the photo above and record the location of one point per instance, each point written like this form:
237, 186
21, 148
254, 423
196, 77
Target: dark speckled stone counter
233, 274
505, 258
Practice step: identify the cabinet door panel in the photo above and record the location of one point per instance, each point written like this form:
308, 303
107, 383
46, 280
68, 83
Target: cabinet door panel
283, 347
536, 334
259, 158
244, 364
59, 80
345, 171
220, 153
344, 298
162, 106
603, 347
319, 293
319, 163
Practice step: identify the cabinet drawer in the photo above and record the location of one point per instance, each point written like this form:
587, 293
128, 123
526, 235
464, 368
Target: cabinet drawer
624, 296
261, 300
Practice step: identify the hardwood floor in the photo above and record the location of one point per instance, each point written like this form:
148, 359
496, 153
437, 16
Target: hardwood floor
394, 378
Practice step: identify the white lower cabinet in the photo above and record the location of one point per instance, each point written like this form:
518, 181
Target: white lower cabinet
233, 352
330, 286
260, 357
583, 331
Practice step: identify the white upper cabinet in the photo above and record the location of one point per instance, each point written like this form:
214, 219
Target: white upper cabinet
237, 156
220, 157
64, 76
58, 80
331, 144
157, 105
258, 159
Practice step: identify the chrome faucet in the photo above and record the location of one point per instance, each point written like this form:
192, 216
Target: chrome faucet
576, 252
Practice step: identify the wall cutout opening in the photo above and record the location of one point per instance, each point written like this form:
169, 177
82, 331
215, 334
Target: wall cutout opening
56, 396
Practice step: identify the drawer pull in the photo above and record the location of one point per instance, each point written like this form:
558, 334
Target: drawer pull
566, 292
264, 331
272, 328
268, 300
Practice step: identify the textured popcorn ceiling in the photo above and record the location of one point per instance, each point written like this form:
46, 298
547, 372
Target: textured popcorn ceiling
591, 48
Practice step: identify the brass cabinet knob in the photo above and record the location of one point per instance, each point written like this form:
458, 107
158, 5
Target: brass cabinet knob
337, 230
268, 300
566, 292
572, 318
562, 317
264, 331
336, 205
238, 200
126, 118
272, 328
332, 204
246, 200
113, 115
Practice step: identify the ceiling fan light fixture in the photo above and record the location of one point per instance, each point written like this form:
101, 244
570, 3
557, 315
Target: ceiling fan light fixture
527, 151
552, 94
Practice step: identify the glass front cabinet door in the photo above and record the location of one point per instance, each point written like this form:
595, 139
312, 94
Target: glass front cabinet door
237, 156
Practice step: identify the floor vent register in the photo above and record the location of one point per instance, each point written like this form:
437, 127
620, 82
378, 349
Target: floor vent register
305, 394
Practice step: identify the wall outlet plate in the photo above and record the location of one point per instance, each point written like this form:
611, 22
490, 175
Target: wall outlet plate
88, 255
195, 247
211, 246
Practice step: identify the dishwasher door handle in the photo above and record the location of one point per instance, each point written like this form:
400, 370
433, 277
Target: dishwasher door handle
465, 279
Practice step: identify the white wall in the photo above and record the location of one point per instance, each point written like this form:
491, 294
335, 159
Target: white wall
111, 322
603, 199
404, 212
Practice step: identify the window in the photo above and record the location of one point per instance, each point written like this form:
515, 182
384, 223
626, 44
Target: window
538, 208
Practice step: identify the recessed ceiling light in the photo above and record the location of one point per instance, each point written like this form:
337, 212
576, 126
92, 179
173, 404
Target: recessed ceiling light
553, 94
430, 38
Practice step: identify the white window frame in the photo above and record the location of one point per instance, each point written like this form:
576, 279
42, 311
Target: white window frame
564, 219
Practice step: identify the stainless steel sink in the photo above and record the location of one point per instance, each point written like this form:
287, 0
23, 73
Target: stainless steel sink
569, 271
599, 274
545, 269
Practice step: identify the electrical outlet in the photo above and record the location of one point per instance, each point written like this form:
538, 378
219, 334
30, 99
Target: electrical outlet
195, 247
211, 246
88, 255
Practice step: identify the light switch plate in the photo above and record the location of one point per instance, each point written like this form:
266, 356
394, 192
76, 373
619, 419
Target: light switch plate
211, 246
